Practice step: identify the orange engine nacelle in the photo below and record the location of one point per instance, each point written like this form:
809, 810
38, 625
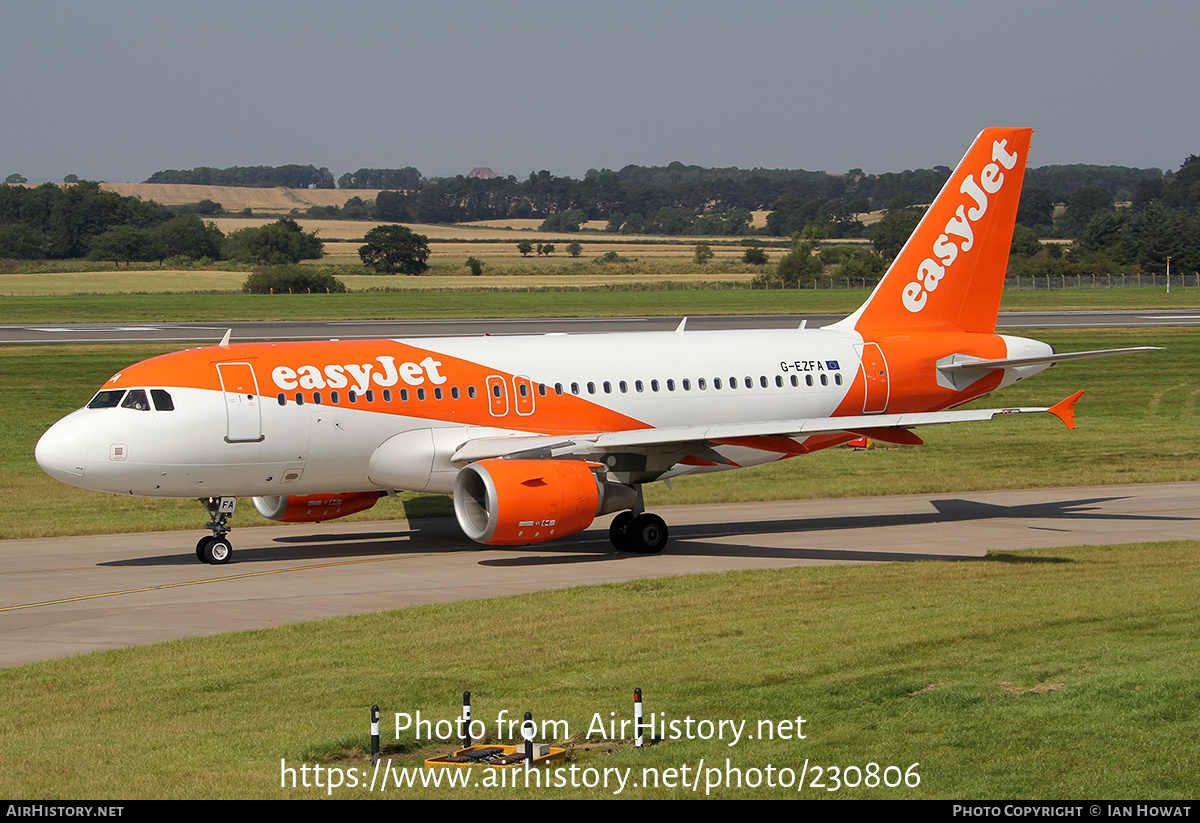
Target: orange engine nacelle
313, 508
511, 502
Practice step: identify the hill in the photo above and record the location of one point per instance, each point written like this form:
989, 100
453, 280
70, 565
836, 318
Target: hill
236, 198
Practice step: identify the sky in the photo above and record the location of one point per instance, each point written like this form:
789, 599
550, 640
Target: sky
119, 89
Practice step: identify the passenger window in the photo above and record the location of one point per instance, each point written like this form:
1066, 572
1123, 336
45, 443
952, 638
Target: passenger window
653, 385
701, 385
471, 392
607, 387
404, 395
137, 400
824, 380
808, 379
454, 392
317, 397
437, 393
837, 378
370, 395
779, 381
282, 399
574, 388
637, 384
687, 384
670, 385
716, 382
420, 394
106, 399
299, 399
352, 396
795, 381
162, 400
333, 397
624, 387
387, 396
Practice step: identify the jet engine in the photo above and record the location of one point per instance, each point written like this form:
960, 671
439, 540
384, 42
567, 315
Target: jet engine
510, 502
313, 508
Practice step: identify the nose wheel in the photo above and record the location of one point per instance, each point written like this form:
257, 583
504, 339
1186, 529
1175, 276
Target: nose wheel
216, 548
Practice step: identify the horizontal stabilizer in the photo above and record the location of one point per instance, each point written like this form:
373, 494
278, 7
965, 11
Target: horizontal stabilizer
1010, 362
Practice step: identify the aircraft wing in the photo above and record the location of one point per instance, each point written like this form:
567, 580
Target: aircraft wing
706, 436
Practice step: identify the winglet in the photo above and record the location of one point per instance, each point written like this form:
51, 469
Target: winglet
1064, 410
225, 340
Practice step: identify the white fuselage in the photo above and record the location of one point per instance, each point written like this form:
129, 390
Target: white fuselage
209, 445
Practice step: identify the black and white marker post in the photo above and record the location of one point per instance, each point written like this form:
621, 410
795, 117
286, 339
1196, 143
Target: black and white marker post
375, 735
638, 740
528, 730
466, 720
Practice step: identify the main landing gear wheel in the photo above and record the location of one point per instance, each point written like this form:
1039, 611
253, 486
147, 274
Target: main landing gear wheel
618, 531
643, 534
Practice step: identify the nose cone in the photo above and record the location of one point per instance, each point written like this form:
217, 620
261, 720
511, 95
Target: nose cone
62, 452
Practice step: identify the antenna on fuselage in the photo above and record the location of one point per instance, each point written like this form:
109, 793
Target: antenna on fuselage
679, 328
225, 340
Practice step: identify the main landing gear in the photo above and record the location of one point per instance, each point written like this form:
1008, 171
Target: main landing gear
644, 533
216, 548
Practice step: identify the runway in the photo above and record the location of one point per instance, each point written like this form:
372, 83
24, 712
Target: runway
242, 332
72, 595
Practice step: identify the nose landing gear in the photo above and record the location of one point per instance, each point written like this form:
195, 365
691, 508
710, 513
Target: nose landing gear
216, 548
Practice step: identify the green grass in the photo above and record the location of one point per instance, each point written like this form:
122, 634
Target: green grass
1136, 424
1060, 673
622, 298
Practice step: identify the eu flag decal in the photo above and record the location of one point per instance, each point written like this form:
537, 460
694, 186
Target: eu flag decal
832, 365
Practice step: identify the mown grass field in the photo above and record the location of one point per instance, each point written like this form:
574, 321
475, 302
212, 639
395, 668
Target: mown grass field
456, 295
1055, 674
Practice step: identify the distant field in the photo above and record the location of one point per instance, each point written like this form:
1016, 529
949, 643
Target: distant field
282, 200
501, 231
236, 198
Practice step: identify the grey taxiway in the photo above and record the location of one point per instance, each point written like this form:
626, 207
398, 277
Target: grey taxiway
65, 596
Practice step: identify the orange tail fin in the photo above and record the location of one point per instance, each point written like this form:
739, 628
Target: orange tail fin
950, 274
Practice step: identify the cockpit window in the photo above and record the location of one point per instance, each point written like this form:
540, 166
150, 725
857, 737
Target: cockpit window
162, 400
136, 399
106, 399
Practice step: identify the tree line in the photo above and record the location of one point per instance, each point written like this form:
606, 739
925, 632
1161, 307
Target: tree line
673, 200
82, 220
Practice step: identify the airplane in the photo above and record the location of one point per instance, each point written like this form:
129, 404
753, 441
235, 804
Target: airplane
537, 435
